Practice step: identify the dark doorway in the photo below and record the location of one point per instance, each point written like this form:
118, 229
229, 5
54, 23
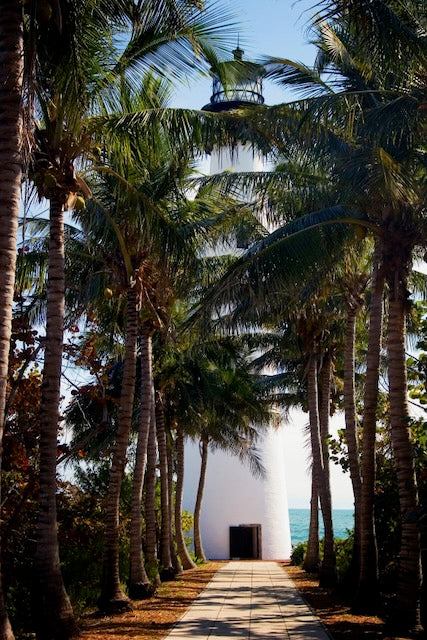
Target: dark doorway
245, 542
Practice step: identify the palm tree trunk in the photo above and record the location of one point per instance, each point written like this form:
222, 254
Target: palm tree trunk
312, 558
367, 592
53, 613
11, 73
175, 560
328, 565
139, 584
150, 504
351, 432
187, 562
198, 547
112, 597
324, 409
406, 616
327, 574
167, 572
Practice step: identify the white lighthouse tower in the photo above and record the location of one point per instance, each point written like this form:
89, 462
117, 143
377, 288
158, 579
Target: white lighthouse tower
242, 516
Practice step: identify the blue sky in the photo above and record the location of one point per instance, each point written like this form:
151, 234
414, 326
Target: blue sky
266, 27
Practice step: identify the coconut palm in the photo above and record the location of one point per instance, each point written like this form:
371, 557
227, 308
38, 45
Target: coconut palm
155, 229
375, 156
214, 389
386, 168
139, 583
11, 78
63, 138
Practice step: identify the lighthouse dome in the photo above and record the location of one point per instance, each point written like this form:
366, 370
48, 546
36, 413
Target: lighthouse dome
237, 84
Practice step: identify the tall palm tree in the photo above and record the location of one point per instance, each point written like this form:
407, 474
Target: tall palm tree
387, 159
11, 82
64, 138
139, 584
217, 395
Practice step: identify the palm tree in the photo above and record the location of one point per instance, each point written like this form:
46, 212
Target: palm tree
377, 158
387, 161
11, 78
218, 395
64, 138
139, 584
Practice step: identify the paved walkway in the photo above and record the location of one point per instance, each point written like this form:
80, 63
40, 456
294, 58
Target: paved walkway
252, 600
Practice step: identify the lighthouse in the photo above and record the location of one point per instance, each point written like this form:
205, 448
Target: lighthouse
243, 516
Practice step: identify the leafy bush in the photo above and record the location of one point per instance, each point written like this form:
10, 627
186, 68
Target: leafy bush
298, 553
343, 549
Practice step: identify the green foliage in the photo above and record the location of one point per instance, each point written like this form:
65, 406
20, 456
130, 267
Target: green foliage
343, 550
81, 524
187, 521
298, 553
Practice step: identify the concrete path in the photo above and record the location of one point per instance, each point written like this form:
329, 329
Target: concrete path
251, 600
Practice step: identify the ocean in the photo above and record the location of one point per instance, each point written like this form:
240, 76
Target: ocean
300, 519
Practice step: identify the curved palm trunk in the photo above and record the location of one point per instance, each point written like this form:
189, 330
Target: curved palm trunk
406, 615
187, 562
351, 431
367, 591
167, 572
53, 613
312, 558
139, 584
324, 409
328, 565
11, 72
198, 547
327, 574
112, 596
175, 560
150, 504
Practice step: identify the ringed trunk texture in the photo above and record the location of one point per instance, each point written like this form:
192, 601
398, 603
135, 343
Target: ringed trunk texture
324, 409
351, 432
113, 598
328, 565
198, 546
328, 575
150, 503
167, 570
407, 612
187, 562
139, 584
53, 614
175, 560
11, 74
367, 592
312, 557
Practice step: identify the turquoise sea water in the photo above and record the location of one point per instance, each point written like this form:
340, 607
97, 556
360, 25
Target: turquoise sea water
300, 520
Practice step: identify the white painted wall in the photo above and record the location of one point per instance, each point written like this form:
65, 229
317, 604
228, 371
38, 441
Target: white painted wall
242, 158
234, 496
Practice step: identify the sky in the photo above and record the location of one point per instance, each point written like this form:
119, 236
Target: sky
263, 27
279, 28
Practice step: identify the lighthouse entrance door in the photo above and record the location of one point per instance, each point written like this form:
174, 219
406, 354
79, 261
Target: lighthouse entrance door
245, 542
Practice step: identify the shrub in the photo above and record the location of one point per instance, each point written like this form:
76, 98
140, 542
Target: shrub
298, 553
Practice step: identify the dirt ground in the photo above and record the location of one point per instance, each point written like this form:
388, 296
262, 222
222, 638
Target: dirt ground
152, 618
335, 613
